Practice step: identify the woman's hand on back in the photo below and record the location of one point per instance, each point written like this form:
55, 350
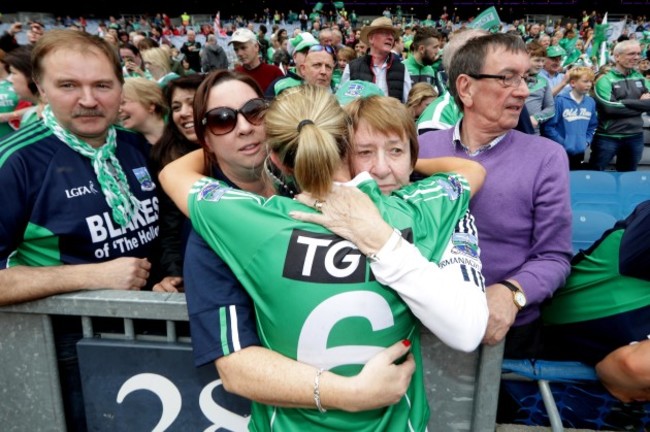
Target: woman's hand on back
348, 213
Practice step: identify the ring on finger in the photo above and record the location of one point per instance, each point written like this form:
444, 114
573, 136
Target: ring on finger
318, 205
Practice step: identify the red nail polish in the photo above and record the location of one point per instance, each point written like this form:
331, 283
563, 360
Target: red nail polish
406, 343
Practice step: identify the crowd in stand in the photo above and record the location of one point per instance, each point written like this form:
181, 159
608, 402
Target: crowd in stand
509, 108
555, 47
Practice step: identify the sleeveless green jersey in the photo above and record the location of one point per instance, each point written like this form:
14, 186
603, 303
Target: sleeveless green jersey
596, 288
315, 297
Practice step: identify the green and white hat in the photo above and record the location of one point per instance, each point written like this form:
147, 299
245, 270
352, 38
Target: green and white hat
555, 51
302, 41
354, 89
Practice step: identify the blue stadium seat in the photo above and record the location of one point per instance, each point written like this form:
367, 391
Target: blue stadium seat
588, 226
634, 188
595, 190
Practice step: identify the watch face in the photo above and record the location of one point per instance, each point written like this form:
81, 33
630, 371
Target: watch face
520, 299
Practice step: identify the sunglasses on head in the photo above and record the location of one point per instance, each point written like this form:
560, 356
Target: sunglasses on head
328, 49
222, 120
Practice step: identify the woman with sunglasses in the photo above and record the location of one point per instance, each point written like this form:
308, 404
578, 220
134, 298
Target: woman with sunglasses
311, 290
238, 154
221, 315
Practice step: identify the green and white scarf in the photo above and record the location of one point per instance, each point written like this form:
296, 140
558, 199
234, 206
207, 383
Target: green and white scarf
109, 172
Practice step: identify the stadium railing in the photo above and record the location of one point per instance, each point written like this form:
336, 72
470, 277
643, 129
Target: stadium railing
146, 380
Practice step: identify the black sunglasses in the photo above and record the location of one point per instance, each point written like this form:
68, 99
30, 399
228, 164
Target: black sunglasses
222, 120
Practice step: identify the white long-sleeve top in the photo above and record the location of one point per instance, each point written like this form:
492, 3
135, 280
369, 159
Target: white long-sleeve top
447, 297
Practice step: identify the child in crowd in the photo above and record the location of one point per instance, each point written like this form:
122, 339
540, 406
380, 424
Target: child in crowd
575, 120
539, 103
344, 55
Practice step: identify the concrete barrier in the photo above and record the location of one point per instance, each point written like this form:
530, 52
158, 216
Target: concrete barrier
461, 387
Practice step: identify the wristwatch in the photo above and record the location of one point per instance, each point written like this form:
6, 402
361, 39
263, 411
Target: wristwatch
518, 296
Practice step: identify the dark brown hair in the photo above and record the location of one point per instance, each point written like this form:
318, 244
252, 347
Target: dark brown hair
201, 103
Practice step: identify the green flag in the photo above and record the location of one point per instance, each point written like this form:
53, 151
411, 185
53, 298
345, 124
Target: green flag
318, 7
569, 45
338, 5
571, 58
486, 20
599, 46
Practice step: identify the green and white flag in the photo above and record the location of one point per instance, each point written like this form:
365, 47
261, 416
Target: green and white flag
615, 30
599, 47
486, 20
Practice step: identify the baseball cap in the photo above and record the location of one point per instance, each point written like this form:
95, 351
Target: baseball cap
354, 89
555, 51
243, 35
300, 42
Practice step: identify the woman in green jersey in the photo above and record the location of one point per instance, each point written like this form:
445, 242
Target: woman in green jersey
316, 296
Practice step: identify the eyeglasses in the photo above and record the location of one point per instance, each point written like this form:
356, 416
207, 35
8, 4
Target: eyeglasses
508, 80
222, 120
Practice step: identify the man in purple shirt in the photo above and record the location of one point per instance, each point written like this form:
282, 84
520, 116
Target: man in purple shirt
523, 212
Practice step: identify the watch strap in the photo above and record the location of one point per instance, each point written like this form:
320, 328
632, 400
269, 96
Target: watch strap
512, 287
515, 293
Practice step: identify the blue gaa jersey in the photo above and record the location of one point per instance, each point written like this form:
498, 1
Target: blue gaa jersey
315, 297
53, 209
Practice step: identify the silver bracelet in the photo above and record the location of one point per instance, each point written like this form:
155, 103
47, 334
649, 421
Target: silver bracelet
317, 392
390, 245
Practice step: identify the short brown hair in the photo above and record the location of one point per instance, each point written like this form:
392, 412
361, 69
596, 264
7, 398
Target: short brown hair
422, 35
535, 49
386, 115
201, 98
56, 39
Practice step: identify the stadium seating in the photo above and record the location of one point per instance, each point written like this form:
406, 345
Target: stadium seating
633, 188
595, 190
598, 199
588, 226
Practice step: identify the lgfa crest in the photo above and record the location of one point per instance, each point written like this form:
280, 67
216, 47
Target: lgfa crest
451, 186
212, 191
143, 176
354, 90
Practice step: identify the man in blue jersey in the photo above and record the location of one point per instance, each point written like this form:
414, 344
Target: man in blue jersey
79, 205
